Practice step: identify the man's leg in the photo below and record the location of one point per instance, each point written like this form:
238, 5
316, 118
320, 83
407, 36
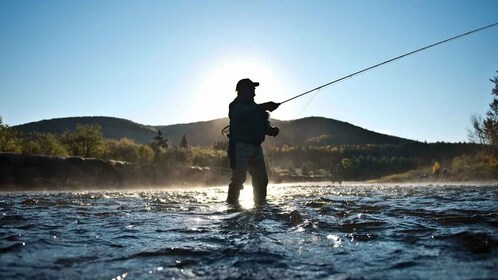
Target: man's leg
257, 169
239, 175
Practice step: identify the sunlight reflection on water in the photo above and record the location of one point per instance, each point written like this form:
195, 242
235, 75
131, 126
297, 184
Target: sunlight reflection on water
246, 198
306, 231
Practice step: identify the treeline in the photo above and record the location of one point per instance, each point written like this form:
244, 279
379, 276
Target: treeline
485, 132
84, 140
362, 162
477, 161
333, 162
87, 141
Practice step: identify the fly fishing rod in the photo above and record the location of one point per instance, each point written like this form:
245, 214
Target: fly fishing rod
390, 60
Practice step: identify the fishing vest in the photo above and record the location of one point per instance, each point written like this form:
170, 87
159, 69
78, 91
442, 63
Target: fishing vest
248, 122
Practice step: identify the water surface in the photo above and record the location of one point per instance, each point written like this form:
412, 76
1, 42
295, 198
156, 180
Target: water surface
350, 231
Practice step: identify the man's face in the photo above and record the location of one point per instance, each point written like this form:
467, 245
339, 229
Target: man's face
249, 92
252, 91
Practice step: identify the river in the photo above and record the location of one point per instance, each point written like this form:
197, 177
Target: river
307, 231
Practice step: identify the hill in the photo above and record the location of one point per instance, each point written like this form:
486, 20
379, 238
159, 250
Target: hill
198, 133
316, 131
114, 128
319, 131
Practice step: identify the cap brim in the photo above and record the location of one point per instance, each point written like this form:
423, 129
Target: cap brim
255, 84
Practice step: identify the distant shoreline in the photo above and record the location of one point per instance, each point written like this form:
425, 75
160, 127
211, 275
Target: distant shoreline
48, 173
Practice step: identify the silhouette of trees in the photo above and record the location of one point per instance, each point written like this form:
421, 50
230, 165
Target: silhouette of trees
338, 162
48, 144
477, 133
85, 141
9, 139
220, 145
159, 141
305, 170
471, 167
184, 143
159, 144
362, 162
485, 131
126, 149
209, 157
174, 157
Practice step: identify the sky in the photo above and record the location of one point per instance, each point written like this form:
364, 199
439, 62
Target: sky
168, 62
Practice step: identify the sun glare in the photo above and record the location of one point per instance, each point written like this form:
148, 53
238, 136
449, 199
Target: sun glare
217, 89
246, 198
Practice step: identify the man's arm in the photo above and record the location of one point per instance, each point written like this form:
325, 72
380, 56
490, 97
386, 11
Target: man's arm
269, 106
241, 111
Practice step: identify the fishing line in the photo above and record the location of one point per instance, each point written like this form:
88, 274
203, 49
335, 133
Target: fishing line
390, 60
225, 130
307, 104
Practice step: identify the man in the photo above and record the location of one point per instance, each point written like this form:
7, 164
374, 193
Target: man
249, 125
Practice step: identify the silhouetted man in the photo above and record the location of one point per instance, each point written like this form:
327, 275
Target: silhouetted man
249, 125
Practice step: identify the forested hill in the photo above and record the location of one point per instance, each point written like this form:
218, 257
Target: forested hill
315, 131
114, 128
319, 131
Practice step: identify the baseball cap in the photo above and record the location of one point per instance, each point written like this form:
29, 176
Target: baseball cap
244, 83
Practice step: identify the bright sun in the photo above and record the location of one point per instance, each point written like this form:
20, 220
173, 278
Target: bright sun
217, 89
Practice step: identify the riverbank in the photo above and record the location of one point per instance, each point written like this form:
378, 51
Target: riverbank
35, 172
424, 175
40, 173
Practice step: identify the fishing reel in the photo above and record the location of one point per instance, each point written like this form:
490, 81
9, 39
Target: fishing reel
226, 131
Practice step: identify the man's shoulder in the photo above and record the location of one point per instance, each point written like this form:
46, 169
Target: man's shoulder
237, 102
241, 101
233, 104
238, 99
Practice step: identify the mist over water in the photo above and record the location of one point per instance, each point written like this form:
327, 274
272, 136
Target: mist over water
309, 232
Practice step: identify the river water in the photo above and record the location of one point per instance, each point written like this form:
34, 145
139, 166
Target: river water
349, 231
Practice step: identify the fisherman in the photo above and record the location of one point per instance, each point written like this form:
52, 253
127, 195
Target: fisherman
249, 125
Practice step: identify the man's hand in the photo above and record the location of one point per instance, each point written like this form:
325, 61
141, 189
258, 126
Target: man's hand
270, 106
273, 131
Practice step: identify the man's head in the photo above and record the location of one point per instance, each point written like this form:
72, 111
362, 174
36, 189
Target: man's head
246, 88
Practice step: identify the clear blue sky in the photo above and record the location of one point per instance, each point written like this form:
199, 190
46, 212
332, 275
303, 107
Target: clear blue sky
166, 62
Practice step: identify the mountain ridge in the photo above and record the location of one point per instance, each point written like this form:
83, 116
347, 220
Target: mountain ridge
318, 131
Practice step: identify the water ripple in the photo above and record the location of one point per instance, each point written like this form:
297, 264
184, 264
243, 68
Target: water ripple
350, 231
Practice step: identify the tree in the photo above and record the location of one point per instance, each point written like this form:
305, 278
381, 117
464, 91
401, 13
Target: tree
145, 154
184, 143
476, 133
127, 150
490, 124
485, 131
85, 141
159, 144
159, 141
305, 170
220, 145
174, 157
47, 144
9, 139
